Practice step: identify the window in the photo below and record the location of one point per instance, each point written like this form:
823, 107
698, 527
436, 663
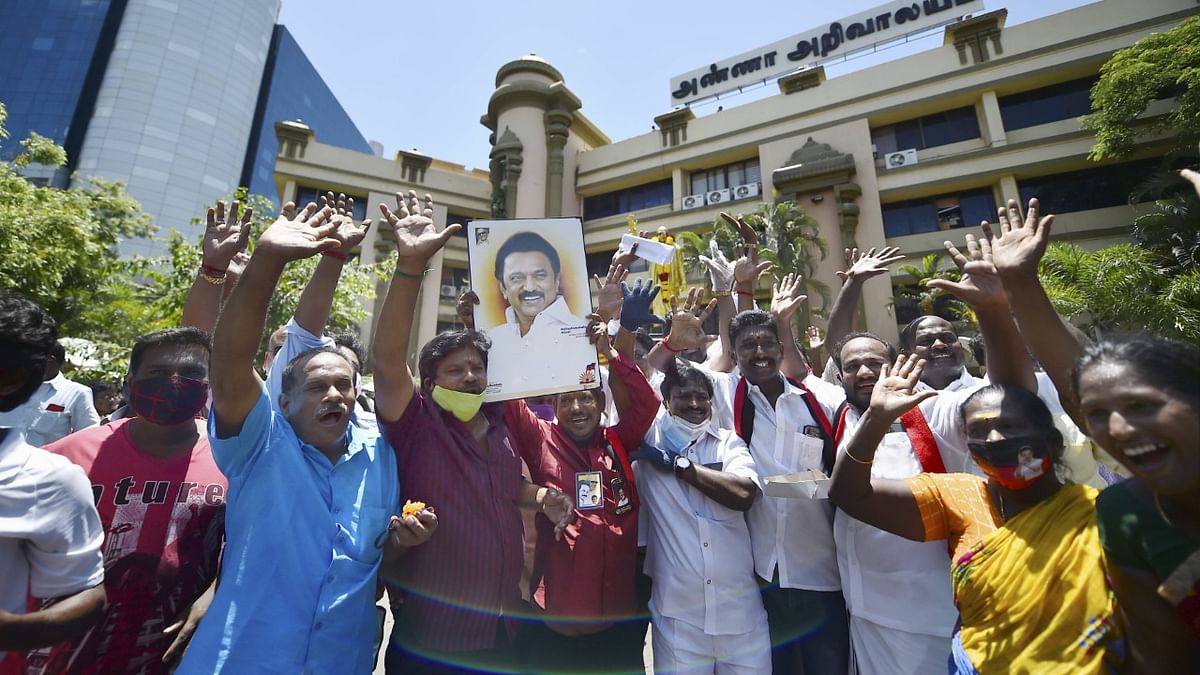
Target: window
458, 219
730, 175
1088, 188
941, 128
627, 200
598, 262
1065, 100
944, 212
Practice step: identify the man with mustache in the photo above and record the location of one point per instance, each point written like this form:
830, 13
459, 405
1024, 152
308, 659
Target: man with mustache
454, 453
312, 498
538, 323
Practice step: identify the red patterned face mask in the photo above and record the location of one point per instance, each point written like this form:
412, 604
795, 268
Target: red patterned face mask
167, 400
1015, 463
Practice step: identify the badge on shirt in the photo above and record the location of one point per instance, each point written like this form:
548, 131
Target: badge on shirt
621, 495
589, 495
812, 431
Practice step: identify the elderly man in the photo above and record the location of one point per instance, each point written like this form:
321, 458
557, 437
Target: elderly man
58, 408
455, 453
538, 323
312, 498
50, 534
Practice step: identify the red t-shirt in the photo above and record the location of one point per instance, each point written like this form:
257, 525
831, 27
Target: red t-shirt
161, 545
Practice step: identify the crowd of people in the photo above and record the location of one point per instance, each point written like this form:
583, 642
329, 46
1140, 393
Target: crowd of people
753, 505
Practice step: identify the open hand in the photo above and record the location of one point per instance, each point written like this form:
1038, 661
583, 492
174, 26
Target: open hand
815, 339
720, 268
1020, 244
786, 297
417, 238
979, 284
303, 236
348, 232
635, 309
862, 265
611, 296
687, 323
748, 269
893, 394
225, 237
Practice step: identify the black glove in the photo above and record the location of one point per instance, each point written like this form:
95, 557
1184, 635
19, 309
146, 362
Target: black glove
635, 311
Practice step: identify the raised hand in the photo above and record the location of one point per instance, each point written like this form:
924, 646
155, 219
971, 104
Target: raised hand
1020, 244
225, 237
560, 509
465, 308
611, 296
862, 265
627, 258
349, 233
747, 270
720, 269
893, 394
786, 297
305, 235
598, 336
749, 236
815, 339
687, 323
417, 239
979, 284
635, 310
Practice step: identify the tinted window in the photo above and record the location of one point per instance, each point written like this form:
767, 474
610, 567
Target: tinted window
1088, 188
1066, 100
627, 200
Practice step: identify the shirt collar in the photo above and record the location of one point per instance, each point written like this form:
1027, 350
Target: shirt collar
57, 381
557, 311
965, 380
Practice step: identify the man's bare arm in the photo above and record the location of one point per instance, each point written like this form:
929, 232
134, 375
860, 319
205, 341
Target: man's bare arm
68, 618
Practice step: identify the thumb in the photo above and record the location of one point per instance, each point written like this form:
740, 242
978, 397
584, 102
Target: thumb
447, 233
173, 627
945, 285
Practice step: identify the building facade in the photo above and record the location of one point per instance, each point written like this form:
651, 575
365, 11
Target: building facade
900, 154
172, 98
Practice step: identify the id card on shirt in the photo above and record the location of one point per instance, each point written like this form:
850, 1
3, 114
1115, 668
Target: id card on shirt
589, 495
811, 449
621, 495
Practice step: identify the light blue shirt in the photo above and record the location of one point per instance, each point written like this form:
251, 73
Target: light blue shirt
297, 586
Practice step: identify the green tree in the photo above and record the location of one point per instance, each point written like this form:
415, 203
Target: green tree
915, 297
1136, 76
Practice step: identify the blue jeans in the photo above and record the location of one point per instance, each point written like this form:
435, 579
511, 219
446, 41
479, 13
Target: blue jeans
810, 630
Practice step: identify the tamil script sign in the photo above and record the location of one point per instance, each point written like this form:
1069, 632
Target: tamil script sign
885, 22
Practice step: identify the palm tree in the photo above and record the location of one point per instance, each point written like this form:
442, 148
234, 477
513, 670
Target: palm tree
914, 297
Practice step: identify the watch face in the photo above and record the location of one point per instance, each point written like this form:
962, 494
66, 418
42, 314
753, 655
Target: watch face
682, 463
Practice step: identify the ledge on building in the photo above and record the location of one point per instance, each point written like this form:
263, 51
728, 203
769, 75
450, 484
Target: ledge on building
799, 80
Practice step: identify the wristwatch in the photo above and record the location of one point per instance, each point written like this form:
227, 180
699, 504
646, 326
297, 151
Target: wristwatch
682, 465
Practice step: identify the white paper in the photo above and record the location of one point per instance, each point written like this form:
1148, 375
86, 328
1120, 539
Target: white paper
810, 484
648, 249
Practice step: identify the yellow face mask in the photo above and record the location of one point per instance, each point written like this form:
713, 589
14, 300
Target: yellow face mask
462, 404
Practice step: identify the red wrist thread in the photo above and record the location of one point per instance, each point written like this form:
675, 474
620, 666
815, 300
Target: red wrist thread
212, 271
337, 255
667, 346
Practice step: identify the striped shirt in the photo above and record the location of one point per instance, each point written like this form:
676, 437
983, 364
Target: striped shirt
458, 584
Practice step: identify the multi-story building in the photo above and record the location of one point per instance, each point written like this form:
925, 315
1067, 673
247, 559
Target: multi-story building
169, 97
901, 153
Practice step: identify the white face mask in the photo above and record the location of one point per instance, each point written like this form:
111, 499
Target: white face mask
678, 433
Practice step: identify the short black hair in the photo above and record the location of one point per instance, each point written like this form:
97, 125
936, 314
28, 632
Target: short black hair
27, 334
1030, 407
178, 337
448, 341
751, 318
908, 334
979, 349
58, 352
350, 341
1170, 364
836, 355
292, 371
526, 241
680, 372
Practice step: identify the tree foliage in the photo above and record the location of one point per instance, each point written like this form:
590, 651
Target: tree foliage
915, 298
1138, 75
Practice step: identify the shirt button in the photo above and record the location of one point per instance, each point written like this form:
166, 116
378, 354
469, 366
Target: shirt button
706, 544
709, 581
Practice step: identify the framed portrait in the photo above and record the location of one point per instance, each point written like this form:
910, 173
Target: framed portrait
534, 299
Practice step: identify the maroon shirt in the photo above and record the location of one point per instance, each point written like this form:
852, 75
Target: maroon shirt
458, 584
589, 574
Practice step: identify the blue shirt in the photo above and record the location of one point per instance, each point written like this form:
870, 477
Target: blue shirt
298, 577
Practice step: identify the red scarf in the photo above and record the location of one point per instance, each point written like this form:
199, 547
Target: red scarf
918, 432
743, 419
618, 447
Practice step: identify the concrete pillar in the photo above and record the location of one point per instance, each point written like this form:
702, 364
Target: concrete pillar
991, 123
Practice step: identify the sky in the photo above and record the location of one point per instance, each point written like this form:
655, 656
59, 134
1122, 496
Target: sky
418, 75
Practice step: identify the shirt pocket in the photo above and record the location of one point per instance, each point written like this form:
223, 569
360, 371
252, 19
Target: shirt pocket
809, 451
50, 421
370, 524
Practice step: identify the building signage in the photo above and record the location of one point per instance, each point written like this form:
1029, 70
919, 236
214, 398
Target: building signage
871, 27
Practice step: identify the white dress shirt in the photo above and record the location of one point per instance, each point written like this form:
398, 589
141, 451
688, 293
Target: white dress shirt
550, 358
944, 415
58, 408
698, 551
795, 535
887, 579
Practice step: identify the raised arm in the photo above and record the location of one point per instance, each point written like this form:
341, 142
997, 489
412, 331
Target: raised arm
785, 299
417, 240
721, 275
236, 386
886, 504
747, 268
224, 238
860, 266
316, 301
980, 287
687, 330
1017, 248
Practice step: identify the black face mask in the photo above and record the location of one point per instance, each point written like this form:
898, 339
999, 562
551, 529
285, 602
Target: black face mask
1007, 452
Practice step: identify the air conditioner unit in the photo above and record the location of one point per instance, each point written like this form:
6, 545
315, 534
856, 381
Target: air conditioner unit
895, 160
745, 191
719, 196
693, 201
449, 291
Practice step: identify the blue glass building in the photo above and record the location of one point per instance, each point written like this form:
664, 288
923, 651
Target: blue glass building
292, 89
